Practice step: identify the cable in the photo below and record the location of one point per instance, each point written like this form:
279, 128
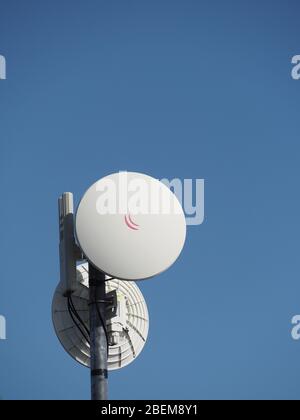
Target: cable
72, 314
75, 312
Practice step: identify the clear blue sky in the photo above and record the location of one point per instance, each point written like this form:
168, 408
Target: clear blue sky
188, 89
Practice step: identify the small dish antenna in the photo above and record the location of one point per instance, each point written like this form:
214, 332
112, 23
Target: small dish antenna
128, 227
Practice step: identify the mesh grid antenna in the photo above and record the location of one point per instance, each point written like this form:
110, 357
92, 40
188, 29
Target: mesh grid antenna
127, 330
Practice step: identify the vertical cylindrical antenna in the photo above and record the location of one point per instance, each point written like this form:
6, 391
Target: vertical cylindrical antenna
98, 335
67, 243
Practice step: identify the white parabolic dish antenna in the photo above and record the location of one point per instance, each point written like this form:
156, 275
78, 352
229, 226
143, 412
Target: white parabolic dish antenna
128, 329
130, 226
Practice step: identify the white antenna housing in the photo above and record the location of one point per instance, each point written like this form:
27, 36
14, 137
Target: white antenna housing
68, 250
130, 226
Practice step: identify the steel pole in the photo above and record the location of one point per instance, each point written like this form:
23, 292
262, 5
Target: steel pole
98, 341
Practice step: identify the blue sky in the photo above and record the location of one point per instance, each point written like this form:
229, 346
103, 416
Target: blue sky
187, 89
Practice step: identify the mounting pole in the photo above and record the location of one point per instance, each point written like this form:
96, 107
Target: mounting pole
97, 305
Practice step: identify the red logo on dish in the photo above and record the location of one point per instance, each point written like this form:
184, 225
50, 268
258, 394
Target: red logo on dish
130, 223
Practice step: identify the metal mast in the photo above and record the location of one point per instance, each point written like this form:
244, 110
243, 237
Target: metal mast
98, 335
